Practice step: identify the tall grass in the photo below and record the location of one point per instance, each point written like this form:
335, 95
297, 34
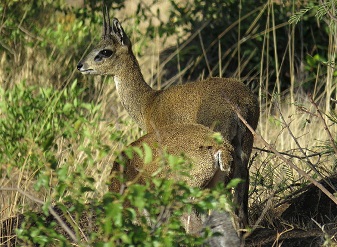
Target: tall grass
288, 119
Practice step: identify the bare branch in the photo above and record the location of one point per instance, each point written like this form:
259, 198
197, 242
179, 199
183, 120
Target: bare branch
298, 144
50, 208
287, 161
24, 30
332, 141
293, 155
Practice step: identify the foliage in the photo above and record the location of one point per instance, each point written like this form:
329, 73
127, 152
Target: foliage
34, 123
320, 9
211, 20
34, 119
250, 25
54, 137
119, 219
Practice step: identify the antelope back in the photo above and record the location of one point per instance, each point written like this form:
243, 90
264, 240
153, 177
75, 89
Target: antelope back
196, 142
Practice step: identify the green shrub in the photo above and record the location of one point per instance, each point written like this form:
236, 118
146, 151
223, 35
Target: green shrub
118, 219
44, 131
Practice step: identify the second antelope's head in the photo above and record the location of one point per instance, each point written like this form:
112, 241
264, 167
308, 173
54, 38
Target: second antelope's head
110, 53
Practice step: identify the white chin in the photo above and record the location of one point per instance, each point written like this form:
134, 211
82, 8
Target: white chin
88, 71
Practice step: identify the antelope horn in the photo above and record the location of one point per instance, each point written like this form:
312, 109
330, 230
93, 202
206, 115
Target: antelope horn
106, 22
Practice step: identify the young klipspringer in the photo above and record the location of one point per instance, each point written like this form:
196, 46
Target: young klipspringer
210, 162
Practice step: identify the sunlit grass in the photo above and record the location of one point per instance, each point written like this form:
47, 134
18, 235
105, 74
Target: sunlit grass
288, 120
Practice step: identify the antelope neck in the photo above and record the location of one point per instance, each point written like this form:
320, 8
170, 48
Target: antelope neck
135, 93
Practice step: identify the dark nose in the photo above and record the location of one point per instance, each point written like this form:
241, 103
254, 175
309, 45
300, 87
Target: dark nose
79, 65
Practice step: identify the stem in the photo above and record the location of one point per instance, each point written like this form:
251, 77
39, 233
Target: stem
287, 161
50, 208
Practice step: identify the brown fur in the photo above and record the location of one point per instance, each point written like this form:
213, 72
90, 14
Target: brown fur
196, 143
205, 102
211, 164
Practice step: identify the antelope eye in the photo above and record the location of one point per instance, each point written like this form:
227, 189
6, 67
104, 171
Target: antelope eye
105, 53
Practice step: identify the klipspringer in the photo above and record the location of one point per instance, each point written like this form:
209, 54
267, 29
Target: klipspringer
207, 102
210, 161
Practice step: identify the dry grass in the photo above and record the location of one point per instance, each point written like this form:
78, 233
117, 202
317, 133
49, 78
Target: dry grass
290, 123
299, 134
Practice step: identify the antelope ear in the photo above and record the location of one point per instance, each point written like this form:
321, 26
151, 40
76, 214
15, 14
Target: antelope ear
118, 31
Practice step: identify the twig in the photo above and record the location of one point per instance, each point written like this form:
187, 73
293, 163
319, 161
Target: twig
9, 49
162, 217
205, 55
333, 100
293, 155
24, 30
50, 208
326, 128
287, 161
264, 212
298, 145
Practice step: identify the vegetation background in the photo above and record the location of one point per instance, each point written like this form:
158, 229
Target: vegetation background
60, 131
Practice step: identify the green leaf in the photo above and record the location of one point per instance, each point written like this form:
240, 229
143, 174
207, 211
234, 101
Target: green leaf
137, 195
147, 153
108, 244
67, 107
217, 137
45, 207
132, 214
86, 189
174, 160
114, 212
234, 182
